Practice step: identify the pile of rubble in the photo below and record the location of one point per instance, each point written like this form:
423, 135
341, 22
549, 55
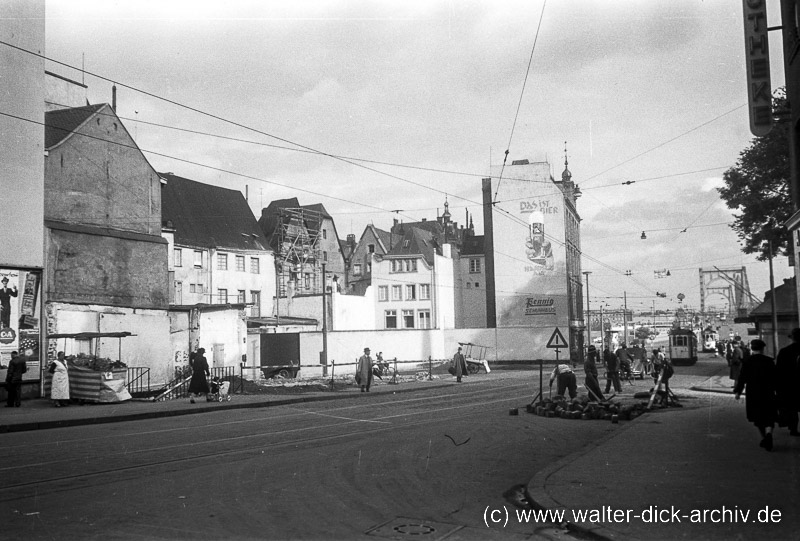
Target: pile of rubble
583, 408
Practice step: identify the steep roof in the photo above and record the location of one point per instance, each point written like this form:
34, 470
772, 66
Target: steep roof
786, 301
209, 216
60, 123
473, 246
416, 242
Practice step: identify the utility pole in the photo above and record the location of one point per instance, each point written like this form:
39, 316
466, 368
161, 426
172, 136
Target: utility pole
625, 319
602, 331
774, 304
588, 316
324, 359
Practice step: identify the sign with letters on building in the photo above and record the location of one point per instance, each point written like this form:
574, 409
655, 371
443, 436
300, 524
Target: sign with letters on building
756, 47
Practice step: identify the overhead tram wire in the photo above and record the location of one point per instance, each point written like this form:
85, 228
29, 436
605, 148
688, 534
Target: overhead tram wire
206, 166
664, 143
232, 122
309, 149
519, 103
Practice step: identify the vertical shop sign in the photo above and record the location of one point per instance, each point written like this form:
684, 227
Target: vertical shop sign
759, 86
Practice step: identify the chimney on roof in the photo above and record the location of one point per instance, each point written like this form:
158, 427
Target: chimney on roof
114, 98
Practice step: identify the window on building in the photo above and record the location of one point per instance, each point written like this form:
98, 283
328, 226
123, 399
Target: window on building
178, 292
177, 255
222, 296
239, 263
324, 233
424, 319
469, 285
397, 293
425, 292
477, 284
222, 261
241, 297
198, 259
201, 288
192, 288
371, 248
408, 319
408, 265
255, 298
383, 293
255, 265
307, 281
390, 319
357, 269
394, 265
474, 265
411, 292
325, 256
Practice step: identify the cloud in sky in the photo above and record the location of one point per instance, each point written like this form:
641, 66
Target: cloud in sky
648, 92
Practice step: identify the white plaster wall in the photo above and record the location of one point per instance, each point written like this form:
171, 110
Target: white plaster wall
225, 327
150, 347
354, 312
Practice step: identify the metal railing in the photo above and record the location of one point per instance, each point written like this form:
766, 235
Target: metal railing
138, 379
179, 387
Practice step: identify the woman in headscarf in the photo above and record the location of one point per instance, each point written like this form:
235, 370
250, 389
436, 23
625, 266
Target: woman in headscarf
199, 382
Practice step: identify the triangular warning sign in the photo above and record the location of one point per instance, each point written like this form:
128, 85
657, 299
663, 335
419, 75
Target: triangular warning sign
557, 340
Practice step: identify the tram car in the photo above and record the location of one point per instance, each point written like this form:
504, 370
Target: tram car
682, 346
710, 339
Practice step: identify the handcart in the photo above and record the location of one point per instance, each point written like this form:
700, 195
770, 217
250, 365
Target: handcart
475, 355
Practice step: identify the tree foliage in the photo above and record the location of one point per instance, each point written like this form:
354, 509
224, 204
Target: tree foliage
757, 188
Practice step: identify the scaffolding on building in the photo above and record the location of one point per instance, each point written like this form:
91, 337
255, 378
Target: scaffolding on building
296, 242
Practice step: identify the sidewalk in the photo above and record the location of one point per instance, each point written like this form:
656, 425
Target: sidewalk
39, 413
702, 458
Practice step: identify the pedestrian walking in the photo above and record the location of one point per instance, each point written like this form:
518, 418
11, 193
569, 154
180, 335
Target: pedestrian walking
612, 371
458, 366
364, 371
59, 387
16, 367
590, 368
198, 385
566, 380
787, 366
737, 357
757, 380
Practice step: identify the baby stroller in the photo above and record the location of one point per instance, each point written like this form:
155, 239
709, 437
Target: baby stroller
218, 390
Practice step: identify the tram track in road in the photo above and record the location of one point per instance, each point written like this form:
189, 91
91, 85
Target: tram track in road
274, 413
118, 464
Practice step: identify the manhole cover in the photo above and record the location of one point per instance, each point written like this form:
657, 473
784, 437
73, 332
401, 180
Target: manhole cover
411, 528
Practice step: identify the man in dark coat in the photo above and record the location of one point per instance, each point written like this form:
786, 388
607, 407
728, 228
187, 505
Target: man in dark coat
16, 367
757, 377
590, 368
612, 371
787, 366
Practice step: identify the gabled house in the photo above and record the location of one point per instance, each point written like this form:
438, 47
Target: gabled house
218, 254
106, 262
359, 270
305, 241
414, 284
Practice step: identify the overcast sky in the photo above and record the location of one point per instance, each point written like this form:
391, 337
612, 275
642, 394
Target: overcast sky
418, 98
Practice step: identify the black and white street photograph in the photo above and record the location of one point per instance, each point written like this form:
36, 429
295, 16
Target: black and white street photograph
424, 270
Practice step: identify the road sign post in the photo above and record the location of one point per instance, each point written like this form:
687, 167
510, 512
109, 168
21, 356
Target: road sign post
556, 342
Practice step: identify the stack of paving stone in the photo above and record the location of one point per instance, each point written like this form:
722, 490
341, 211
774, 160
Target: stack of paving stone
583, 408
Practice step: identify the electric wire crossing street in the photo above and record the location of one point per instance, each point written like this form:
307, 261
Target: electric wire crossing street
650, 515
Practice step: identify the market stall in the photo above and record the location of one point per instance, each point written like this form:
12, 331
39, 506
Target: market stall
94, 378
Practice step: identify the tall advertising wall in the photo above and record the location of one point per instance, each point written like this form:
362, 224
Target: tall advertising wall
528, 248
19, 318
